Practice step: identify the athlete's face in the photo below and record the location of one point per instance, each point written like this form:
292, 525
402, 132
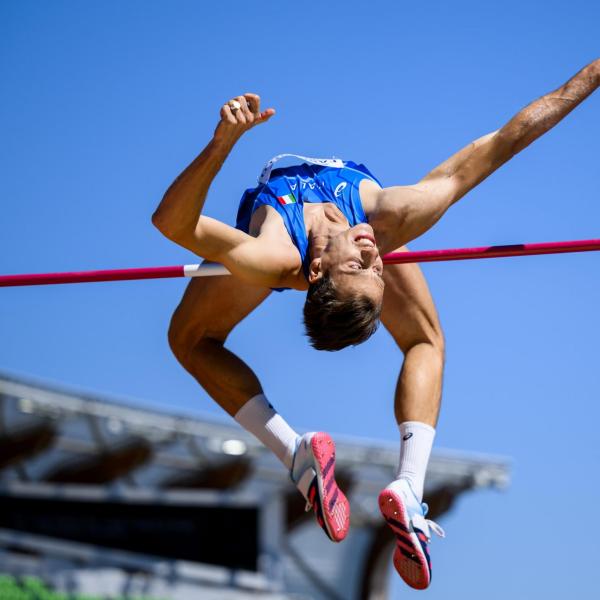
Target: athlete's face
352, 261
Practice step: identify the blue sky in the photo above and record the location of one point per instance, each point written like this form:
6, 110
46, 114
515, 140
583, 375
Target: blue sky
103, 103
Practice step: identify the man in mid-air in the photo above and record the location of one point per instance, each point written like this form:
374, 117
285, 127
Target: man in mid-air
321, 227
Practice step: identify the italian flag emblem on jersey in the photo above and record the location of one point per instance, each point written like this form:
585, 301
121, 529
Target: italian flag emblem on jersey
287, 199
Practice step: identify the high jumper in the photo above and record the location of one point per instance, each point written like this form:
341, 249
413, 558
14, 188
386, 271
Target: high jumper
321, 227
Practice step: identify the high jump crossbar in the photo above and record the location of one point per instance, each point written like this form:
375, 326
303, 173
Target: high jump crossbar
394, 258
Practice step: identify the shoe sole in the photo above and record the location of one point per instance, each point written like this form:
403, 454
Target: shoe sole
411, 558
332, 504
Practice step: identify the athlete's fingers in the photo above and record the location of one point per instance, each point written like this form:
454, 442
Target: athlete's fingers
241, 117
245, 110
248, 114
227, 115
242, 102
237, 114
265, 115
253, 103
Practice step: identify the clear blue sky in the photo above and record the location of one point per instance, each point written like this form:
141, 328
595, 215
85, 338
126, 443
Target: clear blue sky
103, 103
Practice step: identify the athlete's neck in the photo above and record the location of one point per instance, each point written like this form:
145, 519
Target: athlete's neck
323, 221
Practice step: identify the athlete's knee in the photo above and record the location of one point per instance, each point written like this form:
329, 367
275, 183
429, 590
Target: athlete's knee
178, 341
183, 337
191, 342
429, 338
436, 345
437, 340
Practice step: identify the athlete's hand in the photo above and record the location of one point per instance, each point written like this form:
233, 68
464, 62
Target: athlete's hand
236, 121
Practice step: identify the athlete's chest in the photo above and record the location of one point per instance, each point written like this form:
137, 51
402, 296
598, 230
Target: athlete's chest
267, 222
323, 214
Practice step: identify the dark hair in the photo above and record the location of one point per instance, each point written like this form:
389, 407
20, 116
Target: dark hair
332, 323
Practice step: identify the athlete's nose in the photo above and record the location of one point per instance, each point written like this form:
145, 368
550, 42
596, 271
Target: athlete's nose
369, 255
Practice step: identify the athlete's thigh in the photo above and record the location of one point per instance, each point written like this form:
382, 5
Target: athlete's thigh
409, 313
213, 306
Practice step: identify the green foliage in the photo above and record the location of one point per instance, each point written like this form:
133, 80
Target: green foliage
33, 588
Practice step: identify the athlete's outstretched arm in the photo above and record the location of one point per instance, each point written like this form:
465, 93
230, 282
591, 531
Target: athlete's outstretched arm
414, 209
467, 168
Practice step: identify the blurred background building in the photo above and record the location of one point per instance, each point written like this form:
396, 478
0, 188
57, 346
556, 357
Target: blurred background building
107, 500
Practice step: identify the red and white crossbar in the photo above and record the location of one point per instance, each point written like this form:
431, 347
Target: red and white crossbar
207, 270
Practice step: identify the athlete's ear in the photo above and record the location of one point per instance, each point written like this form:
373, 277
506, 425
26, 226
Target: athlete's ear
314, 271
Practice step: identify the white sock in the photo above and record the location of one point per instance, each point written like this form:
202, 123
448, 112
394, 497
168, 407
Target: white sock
416, 440
259, 418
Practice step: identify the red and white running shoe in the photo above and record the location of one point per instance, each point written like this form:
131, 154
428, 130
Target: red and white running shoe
406, 517
313, 473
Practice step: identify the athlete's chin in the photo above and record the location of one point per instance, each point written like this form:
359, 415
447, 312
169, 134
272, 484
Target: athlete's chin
363, 232
363, 227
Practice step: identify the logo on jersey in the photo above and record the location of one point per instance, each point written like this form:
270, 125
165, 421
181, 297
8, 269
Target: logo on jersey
287, 199
339, 189
293, 183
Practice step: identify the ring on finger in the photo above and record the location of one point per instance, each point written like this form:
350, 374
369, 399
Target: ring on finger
234, 105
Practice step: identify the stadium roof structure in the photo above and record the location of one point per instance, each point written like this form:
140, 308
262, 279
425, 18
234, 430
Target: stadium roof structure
101, 498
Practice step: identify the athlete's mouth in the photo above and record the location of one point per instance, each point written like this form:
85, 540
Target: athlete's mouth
366, 240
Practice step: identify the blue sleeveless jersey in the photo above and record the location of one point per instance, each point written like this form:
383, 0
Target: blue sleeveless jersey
287, 189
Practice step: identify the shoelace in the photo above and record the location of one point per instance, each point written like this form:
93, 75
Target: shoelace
432, 524
310, 505
299, 483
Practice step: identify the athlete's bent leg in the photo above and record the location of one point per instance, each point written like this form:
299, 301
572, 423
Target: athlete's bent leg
410, 316
210, 309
